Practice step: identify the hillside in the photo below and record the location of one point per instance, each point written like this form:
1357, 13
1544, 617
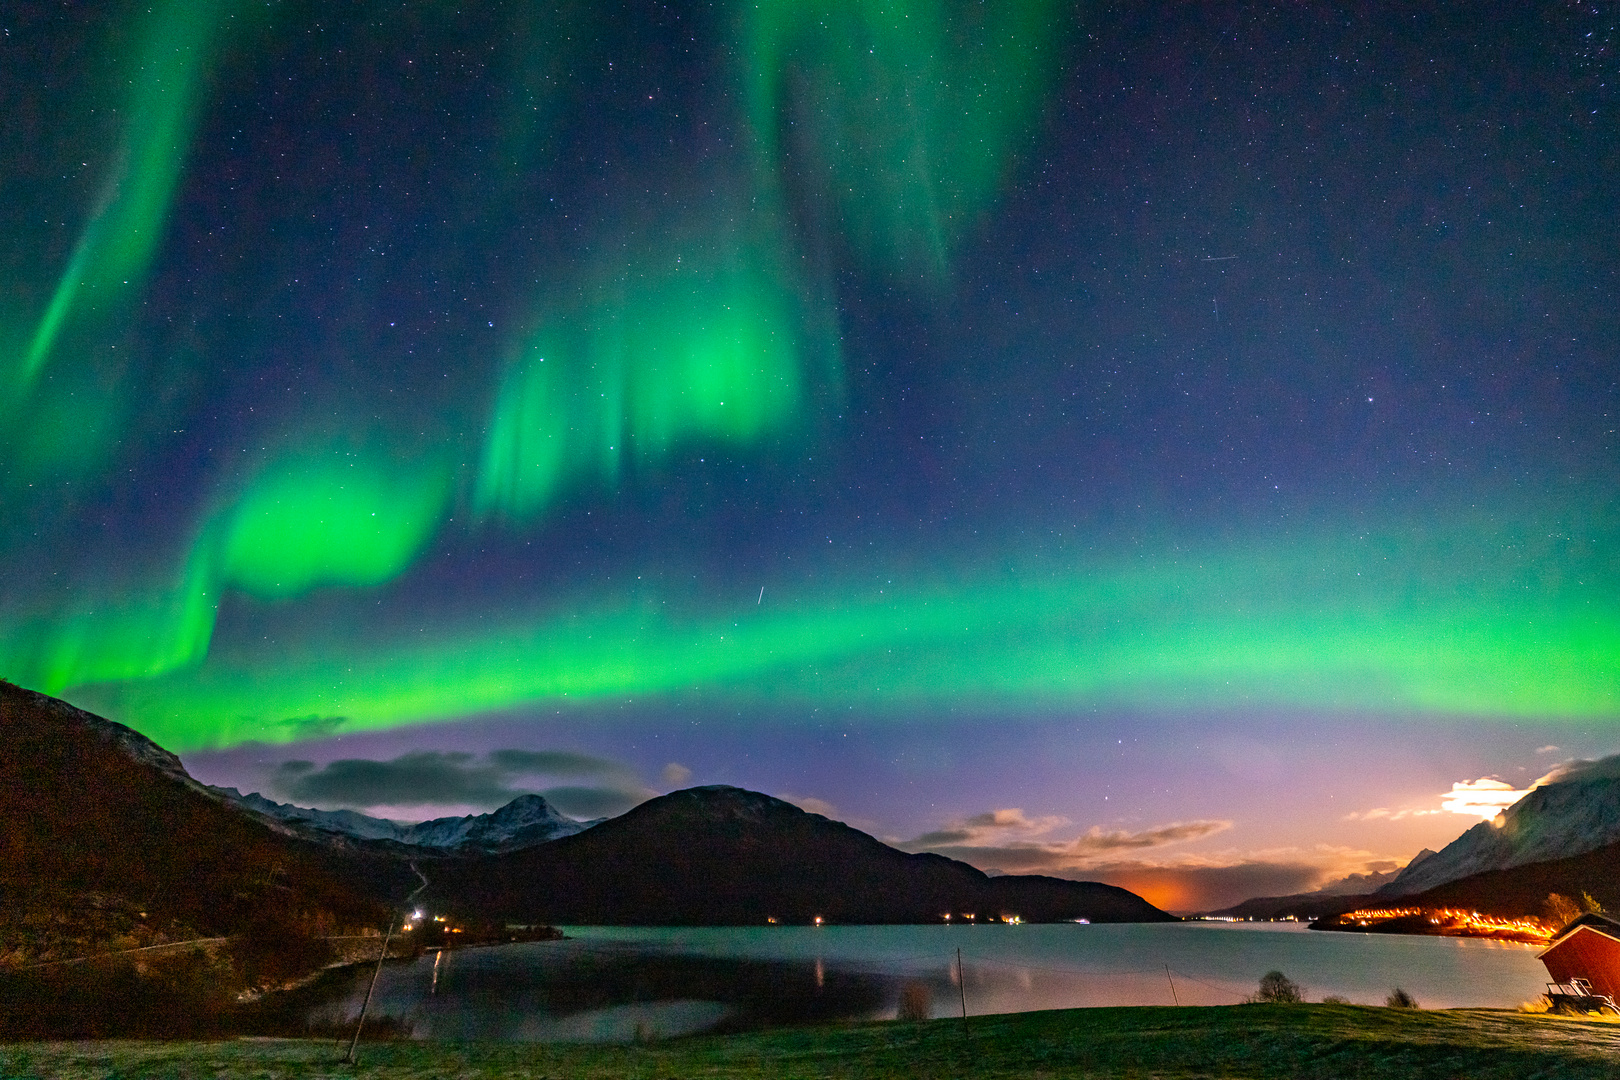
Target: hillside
105, 840
1574, 814
194, 860
1522, 890
723, 856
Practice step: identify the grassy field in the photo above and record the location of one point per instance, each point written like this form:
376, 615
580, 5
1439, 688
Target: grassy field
1332, 1042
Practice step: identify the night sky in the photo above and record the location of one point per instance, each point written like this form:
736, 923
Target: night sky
1165, 443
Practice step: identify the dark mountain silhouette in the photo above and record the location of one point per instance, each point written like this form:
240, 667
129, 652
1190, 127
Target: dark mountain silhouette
1307, 906
725, 856
1523, 890
97, 819
94, 816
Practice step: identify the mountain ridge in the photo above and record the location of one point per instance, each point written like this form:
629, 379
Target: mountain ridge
1558, 820
703, 856
721, 855
525, 820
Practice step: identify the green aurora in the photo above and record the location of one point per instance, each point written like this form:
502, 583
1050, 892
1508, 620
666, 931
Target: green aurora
1485, 627
904, 114
178, 40
699, 336
791, 285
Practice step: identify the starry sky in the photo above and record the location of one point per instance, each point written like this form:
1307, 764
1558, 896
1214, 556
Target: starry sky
1165, 444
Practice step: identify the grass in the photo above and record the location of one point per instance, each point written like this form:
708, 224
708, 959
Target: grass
1332, 1042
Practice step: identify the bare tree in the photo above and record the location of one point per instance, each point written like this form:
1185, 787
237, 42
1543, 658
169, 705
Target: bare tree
1278, 989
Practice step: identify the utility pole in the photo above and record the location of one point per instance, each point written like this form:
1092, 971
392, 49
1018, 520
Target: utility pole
961, 986
381, 956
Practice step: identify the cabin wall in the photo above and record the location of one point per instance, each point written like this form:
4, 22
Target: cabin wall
1586, 954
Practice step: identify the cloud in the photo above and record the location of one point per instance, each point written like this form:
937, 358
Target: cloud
1488, 796
812, 805
676, 774
1485, 797
1009, 840
1606, 768
430, 778
1097, 839
1013, 818
594, 802
1384, 813
1188, 888
421, 778
1209, 882
1548, 749
984, 829
306, 728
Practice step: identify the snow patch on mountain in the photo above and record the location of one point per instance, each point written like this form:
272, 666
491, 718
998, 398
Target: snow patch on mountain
1575, 809
523, 822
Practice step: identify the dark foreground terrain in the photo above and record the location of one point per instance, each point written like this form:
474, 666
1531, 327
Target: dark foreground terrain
1297, 1042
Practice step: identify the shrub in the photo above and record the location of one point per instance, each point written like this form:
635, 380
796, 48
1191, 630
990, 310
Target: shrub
916, 1001
1559, 911
1279, 989
275, 949
1335, 999
1400, 999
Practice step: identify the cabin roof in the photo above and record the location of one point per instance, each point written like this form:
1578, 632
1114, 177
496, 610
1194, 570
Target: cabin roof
1596, 923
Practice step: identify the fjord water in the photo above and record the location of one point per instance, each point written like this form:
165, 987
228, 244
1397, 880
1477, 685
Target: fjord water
622, 983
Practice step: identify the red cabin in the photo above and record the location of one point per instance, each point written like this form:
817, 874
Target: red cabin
1587, 949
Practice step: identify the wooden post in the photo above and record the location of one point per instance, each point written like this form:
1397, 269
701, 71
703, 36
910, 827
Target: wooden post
381, 956
961, 986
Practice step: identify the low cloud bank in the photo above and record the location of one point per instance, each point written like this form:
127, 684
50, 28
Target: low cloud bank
1485, 797
1010, 840
1144, 860
1606, 768
429, 778
1488, 796
1189, 888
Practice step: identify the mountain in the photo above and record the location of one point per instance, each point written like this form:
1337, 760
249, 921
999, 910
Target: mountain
1515, 891
1523, 889
103, 836
1305, 907
1358, 884
1559, 820
1334, 898
93, 814
525, 821
721, 856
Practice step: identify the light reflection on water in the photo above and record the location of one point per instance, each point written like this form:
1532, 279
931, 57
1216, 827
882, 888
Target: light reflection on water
624, 983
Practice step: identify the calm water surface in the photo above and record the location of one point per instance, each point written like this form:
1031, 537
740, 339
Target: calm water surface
620, 983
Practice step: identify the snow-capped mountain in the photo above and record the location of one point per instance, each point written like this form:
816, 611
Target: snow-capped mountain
523, 822
1576, 811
